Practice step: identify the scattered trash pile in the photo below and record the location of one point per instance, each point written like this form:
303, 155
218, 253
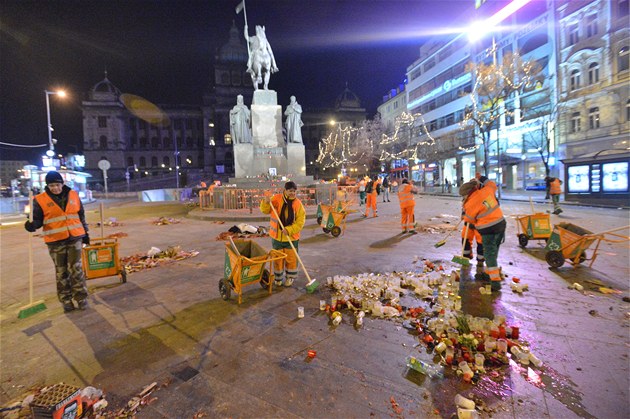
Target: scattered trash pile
242, 231
117, 235
162, 221
111, 222
67, 401
461, 345
155, 257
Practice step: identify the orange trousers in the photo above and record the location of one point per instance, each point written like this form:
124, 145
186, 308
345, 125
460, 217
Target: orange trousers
371, 203
289, 264
407, 219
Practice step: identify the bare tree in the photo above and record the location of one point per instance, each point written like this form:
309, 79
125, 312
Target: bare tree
494, 86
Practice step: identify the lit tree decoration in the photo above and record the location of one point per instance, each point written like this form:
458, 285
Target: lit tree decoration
494, 86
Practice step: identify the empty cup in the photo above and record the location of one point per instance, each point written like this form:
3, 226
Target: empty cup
300, 312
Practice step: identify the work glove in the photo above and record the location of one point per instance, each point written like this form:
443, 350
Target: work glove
29, 226
86, 240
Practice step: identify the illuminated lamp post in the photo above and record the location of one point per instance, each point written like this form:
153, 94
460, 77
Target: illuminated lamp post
51, 141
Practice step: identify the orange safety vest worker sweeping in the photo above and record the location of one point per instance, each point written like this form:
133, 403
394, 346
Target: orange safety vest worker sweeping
293, 217
555, 190
407, 206
482, 209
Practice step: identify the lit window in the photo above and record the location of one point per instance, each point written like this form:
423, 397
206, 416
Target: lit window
575, 122
593, 118
227, 139
593, 73
574, 36
575, 80
624, 59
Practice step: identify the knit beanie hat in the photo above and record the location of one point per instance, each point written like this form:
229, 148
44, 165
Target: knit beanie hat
468, 187
290, 185
53, 177
405, 180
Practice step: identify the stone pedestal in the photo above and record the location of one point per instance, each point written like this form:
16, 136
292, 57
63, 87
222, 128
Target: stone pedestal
243, 158
296, 159
266, 120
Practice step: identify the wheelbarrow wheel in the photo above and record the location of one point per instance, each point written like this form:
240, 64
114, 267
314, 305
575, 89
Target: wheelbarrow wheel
335, 231
319, 220
264, 279
326, 230
123, 276
224, 289
523, 240
554, 258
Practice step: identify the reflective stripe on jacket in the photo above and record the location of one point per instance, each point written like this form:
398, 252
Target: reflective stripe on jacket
554, 187
293, 229
482, 208
405, 196
59, 224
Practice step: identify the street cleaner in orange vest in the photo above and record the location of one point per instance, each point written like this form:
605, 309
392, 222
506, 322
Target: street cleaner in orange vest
60, 212
371, 190
293, 216
407, 206
483, 211
469, 232
555, 190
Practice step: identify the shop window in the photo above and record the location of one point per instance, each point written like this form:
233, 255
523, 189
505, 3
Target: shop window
575, 80
593, 118
143, 161
102, 122
593, 73
575, 122
102, 142
623, 60
574, 36
591, 26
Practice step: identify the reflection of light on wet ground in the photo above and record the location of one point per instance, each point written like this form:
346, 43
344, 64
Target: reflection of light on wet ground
534, 378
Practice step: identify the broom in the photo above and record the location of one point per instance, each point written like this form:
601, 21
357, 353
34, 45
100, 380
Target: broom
312, 284
464, 261
37, 306
443, 241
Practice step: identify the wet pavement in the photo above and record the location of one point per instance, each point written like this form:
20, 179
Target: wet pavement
169, 325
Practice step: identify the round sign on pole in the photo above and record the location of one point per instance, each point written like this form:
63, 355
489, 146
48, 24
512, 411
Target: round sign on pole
104, 165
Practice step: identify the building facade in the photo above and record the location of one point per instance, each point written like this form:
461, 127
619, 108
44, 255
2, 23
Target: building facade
579, 103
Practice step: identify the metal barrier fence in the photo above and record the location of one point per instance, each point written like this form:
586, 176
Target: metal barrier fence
239, 199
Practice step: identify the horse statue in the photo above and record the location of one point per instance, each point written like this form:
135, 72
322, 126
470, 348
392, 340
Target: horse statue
261, 62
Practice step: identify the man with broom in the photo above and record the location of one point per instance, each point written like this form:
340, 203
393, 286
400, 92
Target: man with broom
60, 212
292, 216
483, 211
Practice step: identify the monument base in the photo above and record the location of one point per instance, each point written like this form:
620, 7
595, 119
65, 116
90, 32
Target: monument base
243, 158
296, 159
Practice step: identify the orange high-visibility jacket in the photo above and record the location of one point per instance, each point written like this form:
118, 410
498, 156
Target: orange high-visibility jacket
293, 229
405, 196
554, 187
482, 208
59, 224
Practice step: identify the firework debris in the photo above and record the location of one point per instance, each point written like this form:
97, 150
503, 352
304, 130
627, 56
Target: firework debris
165, 221
155, 257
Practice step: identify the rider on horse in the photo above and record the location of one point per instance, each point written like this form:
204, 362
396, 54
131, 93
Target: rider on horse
261, 57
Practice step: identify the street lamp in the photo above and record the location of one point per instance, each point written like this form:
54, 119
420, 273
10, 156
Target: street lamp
51, 141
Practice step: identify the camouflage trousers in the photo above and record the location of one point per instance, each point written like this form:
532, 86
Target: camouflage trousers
69, 271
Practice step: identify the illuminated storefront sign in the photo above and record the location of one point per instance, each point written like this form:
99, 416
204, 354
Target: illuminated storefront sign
446, 87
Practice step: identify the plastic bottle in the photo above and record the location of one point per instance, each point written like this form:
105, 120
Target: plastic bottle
424, 367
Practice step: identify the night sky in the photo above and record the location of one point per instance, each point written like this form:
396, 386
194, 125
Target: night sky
163, 51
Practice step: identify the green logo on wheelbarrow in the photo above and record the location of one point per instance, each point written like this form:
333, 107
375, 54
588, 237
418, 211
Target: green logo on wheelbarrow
330, 223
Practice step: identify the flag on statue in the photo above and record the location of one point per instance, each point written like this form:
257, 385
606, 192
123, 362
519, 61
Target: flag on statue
240, 6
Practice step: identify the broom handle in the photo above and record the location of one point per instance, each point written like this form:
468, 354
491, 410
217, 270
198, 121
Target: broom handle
531, 204
291, 243
102, 221
453, 230
465, 238
30, 248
